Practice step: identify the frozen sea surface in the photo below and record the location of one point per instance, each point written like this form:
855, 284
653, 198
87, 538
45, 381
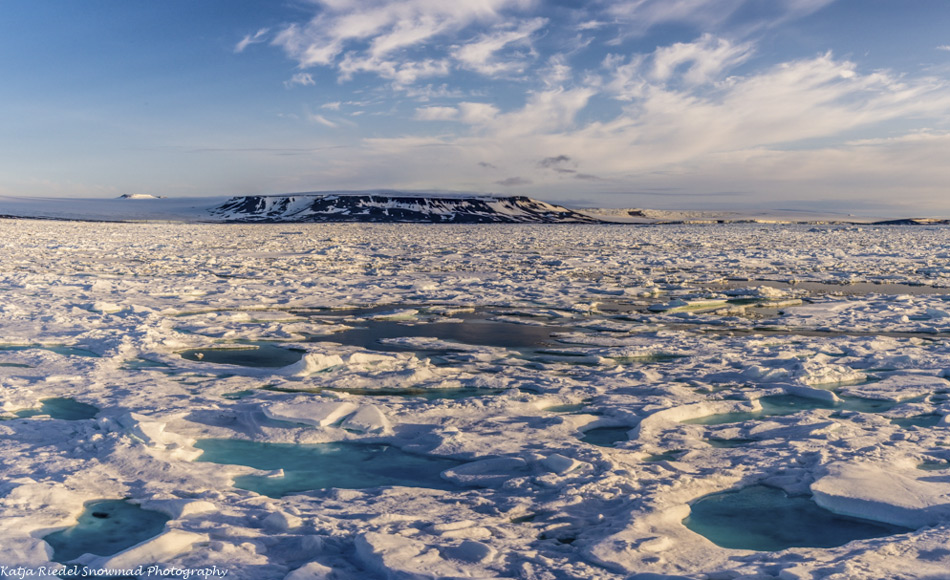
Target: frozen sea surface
637, 370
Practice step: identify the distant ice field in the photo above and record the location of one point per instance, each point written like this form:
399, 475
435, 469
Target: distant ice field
407, 401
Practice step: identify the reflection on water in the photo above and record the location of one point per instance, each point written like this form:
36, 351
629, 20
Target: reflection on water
325, 465
766, 519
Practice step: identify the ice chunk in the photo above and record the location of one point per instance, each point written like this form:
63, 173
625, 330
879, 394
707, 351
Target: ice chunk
395, 556
471, 551
370, 359
560, 464
313, 363
152, 433
899, 387
281, 521
818, 373
162, 547
107, 307
32, 495
936, 313
487, 472
318, 413
811, 393
882, 493
180, 508
770, 292
407, 314
368, 419
310, 571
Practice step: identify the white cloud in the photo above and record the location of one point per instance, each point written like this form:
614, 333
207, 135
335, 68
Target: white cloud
321, 120
248, 40
408, 73
694, 136
818, 98
639, 16
591, 25
300, 79
549, 111
429, 92
478, 113
401, 73
436, 113
904, 173
628, 80
705, 59
691, 115
373, 36
483, 54
557, 72
696, 63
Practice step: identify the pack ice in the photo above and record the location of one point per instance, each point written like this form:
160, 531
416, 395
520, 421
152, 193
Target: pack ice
808, 359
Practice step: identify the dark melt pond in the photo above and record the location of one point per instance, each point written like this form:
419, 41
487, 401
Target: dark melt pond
606, 436
767, 519
431, 394
924, 421
325, 465
859, 288
471, 330
105, 528
61, 408
258, 356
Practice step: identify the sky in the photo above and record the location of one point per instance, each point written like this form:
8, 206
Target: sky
824, 105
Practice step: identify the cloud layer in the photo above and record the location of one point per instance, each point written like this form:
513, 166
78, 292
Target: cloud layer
521, 96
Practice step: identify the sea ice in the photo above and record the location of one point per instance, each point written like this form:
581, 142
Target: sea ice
846, 323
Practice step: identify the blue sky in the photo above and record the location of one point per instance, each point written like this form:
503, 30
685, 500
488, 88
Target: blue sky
835, 105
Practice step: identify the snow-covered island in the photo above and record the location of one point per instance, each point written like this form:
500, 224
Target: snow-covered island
376, 400
389, 206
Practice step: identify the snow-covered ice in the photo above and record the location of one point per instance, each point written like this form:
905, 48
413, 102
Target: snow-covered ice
653, 328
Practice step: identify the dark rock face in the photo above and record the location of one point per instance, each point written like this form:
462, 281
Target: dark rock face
394, 208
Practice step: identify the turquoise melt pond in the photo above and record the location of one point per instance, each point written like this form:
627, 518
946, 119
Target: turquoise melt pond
767, 519
325, 465
105, 528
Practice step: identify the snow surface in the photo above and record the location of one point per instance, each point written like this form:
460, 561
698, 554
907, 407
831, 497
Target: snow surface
532, 499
